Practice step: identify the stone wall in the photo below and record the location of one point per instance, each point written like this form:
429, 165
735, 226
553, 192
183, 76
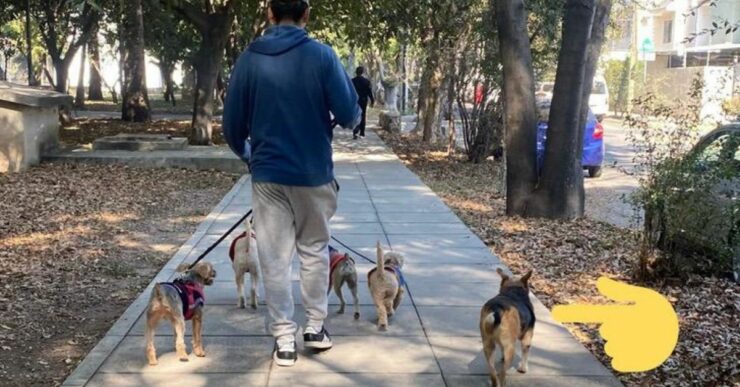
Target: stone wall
26, 133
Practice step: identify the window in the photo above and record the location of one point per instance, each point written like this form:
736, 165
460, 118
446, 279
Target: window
599, 88
668, 31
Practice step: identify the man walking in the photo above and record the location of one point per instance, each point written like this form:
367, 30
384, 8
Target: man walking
282, 92
365, 93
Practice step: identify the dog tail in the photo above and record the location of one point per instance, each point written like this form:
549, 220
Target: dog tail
157, 292
381, 258
493, 319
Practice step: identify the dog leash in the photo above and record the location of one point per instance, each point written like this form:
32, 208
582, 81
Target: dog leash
353, 251
237, 224
218, 242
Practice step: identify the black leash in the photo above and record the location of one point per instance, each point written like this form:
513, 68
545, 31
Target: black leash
351, 250
237, 224
218, 242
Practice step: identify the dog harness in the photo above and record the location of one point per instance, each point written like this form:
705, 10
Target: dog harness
232, 249
335, 259
191, 294
394, 270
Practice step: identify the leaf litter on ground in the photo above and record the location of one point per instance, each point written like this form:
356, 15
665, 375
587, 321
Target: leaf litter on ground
568, 257
78, 243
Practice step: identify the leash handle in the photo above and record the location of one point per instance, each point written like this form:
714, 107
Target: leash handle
218, 242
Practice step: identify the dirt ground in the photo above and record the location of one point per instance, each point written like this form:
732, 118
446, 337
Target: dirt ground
568, 258
77, 245
82, 132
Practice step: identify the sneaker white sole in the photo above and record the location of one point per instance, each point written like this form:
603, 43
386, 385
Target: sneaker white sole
318, 345
282, 362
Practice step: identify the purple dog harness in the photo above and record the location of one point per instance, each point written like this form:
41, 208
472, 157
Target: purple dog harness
191, 294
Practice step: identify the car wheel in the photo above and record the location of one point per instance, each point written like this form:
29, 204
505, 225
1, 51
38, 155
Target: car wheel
594, 172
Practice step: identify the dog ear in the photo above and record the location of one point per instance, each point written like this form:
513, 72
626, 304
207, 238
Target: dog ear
183, 267
504, 276
525, 279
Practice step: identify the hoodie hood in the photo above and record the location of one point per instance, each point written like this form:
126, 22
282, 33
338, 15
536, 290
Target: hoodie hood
278, 40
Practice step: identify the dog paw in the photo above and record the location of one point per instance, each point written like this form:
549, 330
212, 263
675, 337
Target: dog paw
153, 363
340, 311
522, 370
199, 352
357, 316
383, 328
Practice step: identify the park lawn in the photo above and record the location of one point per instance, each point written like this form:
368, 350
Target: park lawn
568, 258
82, 132
78, 244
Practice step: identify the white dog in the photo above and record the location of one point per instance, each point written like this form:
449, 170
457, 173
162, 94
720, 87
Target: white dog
244, 259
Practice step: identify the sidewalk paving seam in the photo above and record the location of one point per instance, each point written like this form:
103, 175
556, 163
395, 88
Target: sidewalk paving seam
408, 289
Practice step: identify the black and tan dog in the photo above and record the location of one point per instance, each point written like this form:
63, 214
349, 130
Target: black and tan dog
505, 319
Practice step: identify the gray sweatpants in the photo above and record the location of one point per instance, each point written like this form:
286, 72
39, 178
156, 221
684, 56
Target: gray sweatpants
287, 220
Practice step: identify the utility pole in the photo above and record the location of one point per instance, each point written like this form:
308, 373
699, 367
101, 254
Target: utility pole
29, 48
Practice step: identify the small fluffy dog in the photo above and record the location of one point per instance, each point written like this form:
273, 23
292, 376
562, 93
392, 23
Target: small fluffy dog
244, 259
505, 319
386, 284
179, 301
343, 271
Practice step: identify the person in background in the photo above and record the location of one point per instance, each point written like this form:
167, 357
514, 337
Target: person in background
365, 92
278, 118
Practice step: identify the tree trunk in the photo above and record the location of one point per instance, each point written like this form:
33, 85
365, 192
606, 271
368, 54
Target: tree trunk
169, 85
429, 91
520, 113
598, 34
207, 65
62, 74
560, 194
80, 92
29, 48
135, 97
95, 90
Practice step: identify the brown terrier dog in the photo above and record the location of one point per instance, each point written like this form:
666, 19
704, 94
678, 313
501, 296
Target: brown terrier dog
505, 319
386, 285
179, 301
342, 270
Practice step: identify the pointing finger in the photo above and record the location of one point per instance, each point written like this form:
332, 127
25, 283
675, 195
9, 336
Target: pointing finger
622, 292
588, 314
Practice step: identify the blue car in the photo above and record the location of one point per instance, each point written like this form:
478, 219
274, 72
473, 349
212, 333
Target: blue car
593, 145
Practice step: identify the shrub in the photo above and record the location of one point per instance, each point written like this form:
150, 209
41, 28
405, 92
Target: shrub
686, 229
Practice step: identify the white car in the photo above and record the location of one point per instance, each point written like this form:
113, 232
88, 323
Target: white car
598, 102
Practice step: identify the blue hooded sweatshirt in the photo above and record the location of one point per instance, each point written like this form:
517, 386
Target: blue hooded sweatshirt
281, 94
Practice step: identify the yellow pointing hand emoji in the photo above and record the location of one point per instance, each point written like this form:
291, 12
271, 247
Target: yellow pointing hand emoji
640, 336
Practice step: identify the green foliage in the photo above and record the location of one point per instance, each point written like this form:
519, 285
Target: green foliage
689, 198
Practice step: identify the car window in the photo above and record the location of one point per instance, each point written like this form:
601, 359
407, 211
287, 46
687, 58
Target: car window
724, 148
599, 88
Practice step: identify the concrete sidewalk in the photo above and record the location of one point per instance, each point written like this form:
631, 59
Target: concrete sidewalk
432, 341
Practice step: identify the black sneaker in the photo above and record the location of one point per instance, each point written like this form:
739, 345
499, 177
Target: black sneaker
285, 355
316, 340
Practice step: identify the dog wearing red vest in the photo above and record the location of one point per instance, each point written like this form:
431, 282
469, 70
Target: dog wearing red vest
244, 259
343, 270
179, 301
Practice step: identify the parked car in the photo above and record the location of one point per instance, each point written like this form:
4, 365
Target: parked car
598, 102
704, 222
593, 141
